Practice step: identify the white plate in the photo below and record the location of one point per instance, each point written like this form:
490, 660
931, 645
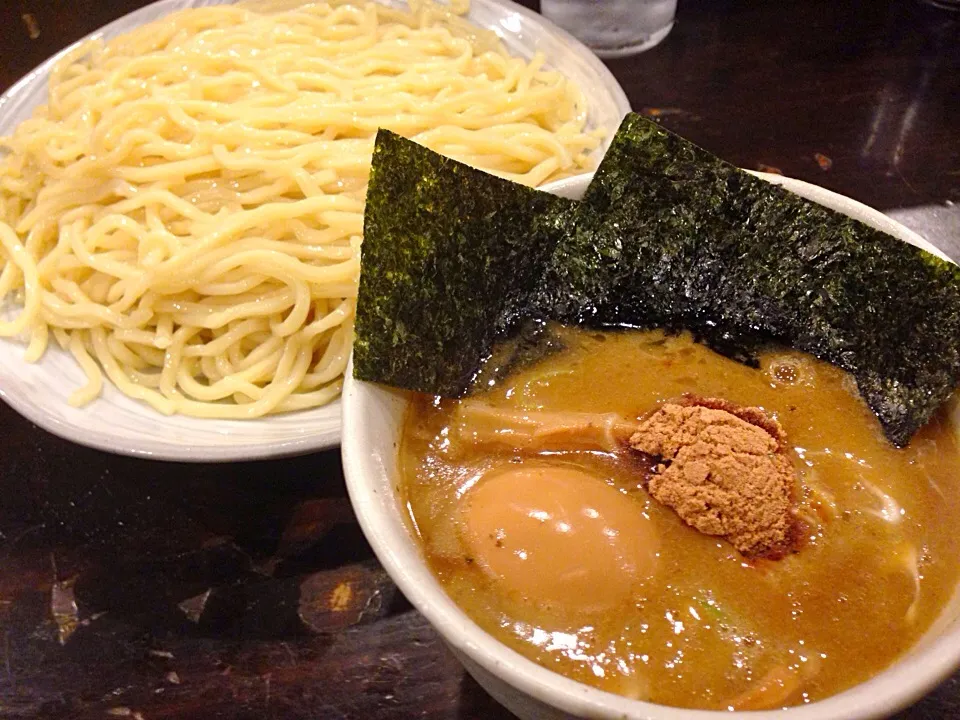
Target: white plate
116, 423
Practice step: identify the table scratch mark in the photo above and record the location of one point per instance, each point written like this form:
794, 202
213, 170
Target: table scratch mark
824, 161
33, 27
904, 179
17, 538
290, 654
6, 656
123, 711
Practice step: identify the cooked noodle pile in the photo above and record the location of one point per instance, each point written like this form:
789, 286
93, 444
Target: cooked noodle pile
185, 214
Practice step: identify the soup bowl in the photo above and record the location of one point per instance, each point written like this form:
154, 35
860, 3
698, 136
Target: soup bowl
372, 422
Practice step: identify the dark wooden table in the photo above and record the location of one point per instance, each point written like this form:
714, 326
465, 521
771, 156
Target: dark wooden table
139, 589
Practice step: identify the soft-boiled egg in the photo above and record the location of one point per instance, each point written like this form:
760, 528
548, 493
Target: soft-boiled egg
559, 536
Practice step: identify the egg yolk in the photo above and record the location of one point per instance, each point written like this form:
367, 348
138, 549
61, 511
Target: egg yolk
559, 536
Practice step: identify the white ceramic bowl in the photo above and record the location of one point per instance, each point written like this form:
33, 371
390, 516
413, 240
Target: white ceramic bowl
119, 424
372, 416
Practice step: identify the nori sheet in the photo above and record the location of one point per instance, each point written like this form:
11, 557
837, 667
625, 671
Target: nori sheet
449, 256
674, 237
667, 236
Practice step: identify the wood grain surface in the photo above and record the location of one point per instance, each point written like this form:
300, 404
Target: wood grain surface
145, 590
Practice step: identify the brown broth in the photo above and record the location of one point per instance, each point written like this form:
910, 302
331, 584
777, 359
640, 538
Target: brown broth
711, 629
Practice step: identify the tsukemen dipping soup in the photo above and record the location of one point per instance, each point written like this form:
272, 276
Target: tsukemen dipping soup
644, 515
759, 519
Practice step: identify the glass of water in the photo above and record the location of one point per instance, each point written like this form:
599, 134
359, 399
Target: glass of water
613, 28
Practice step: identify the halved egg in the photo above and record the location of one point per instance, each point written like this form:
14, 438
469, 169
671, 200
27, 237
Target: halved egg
559, 536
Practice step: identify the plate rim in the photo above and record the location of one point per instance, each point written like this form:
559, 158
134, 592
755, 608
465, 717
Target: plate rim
35, 414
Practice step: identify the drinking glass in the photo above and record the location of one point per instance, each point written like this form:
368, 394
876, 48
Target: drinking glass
613, 28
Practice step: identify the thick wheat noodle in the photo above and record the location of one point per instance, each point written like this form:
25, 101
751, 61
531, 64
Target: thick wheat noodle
184, 216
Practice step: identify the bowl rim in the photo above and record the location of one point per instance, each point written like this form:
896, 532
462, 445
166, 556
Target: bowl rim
379, 516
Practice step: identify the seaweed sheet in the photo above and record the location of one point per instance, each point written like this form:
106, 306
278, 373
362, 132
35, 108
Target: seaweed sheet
671, 236
450, 255
667, 236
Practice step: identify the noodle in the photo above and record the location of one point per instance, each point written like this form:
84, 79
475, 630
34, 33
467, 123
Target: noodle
184, 216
